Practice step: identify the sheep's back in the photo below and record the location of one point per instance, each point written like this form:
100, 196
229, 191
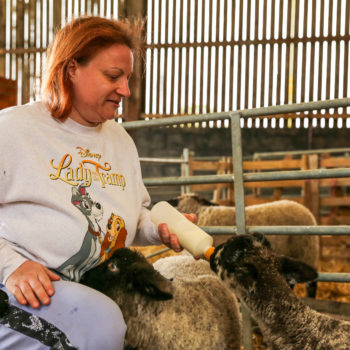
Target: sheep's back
183, 266
203, 315
278, 213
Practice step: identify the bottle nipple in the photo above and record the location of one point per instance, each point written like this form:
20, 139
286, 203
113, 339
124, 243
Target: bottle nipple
209, 252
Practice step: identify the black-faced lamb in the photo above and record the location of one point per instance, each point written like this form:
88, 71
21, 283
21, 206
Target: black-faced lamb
278, 213
167, 315
257, 275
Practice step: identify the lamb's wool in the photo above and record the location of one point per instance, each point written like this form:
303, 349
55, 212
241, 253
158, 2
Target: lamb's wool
248, 266
278, 213
184, 267
202, 315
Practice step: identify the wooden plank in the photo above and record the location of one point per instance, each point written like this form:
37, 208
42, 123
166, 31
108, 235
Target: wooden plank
159, 63
334, 182
172, 90
216, 58
335, 201
255, 200
312, 52
272, 51
8, 92
272, 184
335, 162
3, 20
195, 88
273, 164
203, 165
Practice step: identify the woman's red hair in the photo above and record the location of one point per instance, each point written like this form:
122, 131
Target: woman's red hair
80, 40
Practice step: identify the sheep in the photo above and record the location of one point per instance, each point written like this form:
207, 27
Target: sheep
279, 213
258, 276
166, 315
183, 266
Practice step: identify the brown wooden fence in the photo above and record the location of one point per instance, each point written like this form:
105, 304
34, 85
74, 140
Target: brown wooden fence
328, 199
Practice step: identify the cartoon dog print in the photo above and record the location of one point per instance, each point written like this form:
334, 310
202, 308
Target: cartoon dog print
115, 237
89, 252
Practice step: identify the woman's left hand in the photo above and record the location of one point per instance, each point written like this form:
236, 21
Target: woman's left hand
170, 239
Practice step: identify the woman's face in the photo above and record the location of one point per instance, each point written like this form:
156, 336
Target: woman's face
100, 85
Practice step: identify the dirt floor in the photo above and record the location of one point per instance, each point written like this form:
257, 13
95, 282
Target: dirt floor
335, 257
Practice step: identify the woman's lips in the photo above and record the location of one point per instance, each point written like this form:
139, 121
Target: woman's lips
116, 103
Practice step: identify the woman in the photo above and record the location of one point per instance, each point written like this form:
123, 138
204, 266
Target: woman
71, 191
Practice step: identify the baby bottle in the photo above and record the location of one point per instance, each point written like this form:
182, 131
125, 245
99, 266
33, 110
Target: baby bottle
190, 236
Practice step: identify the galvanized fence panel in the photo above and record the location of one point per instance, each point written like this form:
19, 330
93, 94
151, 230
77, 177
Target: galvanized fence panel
230, 55
239, 178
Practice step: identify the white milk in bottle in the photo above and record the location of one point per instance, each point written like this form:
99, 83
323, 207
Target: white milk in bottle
190, 236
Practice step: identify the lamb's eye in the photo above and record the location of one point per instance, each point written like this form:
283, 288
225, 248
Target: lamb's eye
113, 267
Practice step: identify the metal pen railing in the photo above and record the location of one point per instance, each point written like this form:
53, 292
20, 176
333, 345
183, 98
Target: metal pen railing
239, 178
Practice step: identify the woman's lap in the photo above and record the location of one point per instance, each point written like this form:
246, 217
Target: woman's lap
89, 320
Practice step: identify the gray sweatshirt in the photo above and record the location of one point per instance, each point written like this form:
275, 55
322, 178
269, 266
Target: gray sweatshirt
69, 194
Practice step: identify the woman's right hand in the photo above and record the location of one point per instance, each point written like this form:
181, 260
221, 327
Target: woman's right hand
31, 283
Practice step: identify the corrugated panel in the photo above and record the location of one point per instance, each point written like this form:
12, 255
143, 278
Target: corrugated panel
283, 52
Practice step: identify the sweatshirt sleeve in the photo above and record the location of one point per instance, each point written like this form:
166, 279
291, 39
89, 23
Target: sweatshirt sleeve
147, 232
9, 260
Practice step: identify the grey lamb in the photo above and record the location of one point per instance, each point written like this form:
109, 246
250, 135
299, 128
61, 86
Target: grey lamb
191, 313
257, 275
278, 213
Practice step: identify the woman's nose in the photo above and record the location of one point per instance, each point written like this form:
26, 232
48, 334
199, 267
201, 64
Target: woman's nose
123, 88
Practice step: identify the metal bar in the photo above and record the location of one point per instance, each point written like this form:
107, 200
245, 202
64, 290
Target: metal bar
333, 277
263, 111
161, 251
240, 213
250, 177
161, 160
238, 170
340, 230
312, 151
185, 168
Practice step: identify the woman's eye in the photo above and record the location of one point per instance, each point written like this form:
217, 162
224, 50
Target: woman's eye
113, 77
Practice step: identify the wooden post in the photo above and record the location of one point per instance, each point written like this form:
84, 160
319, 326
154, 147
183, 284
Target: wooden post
135, 9
2, 36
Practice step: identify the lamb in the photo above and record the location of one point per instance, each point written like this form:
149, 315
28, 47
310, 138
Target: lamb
257, 275
166, 315
279, 213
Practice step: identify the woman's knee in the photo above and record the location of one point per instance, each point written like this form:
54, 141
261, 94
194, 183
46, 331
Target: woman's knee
89, 319
101, 322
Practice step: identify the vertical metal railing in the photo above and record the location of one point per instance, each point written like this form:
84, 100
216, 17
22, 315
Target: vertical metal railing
239, 178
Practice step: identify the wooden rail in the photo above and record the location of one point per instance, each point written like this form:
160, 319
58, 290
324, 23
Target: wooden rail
328, 199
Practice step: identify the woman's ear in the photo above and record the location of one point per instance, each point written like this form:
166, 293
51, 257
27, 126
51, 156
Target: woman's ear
72, 68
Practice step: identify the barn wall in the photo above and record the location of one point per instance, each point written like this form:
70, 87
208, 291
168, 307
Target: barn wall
169, 142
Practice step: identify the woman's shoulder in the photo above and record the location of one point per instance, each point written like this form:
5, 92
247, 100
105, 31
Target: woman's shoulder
116, 129
19, 115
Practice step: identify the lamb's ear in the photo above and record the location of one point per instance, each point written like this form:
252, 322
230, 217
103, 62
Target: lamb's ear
206, 202
173, 201
150, 283
295, 271
262, 239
